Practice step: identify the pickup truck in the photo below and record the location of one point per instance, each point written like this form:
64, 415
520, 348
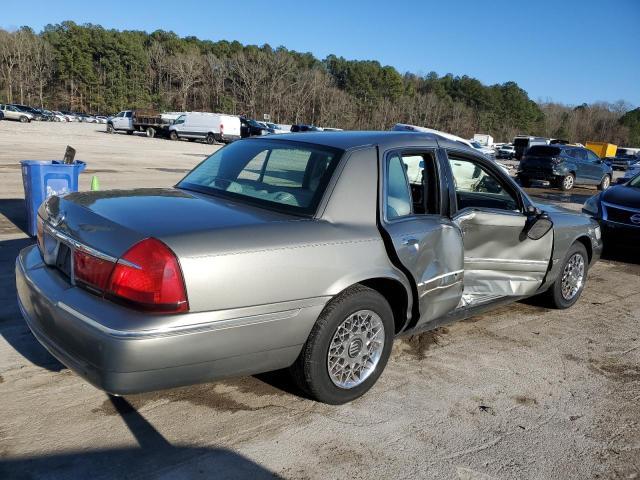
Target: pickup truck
302, 252
151, 124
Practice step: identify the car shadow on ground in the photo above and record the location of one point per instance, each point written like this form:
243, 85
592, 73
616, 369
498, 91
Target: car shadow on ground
154, 456
13, 209
621, 253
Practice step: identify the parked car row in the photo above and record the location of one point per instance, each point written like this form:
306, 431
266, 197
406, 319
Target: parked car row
25, 114
209, 127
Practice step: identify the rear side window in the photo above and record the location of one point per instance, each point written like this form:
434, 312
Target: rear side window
397, 195
543, 151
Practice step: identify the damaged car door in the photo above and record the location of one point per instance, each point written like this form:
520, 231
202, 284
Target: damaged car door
500, 258
426, 245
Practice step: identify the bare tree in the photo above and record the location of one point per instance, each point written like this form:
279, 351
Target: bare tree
187, 70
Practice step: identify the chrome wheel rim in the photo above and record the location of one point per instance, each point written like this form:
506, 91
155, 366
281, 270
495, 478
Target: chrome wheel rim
605, 182
572, 276
568, 182
355, 349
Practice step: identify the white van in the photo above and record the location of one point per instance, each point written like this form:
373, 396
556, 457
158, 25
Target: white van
212, 127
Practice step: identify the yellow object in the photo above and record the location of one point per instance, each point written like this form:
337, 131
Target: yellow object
95, 185
602, 149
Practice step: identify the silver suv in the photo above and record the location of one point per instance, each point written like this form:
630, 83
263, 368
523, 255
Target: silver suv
13, 113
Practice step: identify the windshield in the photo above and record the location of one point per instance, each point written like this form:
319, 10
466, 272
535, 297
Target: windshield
476, 145
283, 175
634, 182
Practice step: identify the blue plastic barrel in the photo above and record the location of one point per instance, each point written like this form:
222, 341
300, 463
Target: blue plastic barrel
42, 179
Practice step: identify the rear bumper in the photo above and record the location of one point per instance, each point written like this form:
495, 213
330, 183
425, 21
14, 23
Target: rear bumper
89, 335
548, 176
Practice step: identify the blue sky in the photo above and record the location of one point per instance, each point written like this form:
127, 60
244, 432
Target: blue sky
565, 50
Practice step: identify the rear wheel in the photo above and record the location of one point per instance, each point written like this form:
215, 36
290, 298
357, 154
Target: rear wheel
348, 347
151, 132
605, 183
567, 182
567, 288
24, 119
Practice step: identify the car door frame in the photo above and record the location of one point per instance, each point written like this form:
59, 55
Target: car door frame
527, 209
438, 288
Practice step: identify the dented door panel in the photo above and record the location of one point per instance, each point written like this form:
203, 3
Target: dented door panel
499, 258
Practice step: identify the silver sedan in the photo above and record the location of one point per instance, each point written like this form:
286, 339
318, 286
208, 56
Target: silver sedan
310, 252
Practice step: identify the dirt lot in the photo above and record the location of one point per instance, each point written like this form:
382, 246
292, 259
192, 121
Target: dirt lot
522, 392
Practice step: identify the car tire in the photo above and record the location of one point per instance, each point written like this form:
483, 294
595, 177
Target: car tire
556, 297
151, 132
173, 135
567, 182
110, 128
369, 311
211, 139
129, 132
605, 183
24, 119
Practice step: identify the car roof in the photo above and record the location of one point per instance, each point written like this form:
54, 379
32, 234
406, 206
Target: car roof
348, 140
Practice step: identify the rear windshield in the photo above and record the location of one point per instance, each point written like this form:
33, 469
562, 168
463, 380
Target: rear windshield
543, 151
521, 141
283, 175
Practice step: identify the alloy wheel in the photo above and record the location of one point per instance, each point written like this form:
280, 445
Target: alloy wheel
567, 183
355, 349
572, 276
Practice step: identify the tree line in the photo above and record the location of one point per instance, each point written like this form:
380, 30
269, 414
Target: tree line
91, 69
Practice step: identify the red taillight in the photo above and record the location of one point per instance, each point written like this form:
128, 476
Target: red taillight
149, 276
91, 270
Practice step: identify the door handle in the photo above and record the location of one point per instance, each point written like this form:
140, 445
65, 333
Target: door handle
410, 242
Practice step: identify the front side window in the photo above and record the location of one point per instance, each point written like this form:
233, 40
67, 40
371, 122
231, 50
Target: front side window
283, 175
180, 120
476, 187
397, 194
579, 154
592, 157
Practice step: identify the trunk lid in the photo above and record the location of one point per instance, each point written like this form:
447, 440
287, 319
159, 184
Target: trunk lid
112, 221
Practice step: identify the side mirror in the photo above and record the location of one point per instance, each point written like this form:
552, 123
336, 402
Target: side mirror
537, 227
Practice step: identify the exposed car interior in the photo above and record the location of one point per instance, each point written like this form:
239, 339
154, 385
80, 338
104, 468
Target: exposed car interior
477, 187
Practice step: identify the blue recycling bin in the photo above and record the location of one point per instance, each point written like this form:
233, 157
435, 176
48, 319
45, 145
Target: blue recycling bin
42, 179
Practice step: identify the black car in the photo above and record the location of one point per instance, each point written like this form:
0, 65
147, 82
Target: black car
564, 166
618, 211
304, 128
251, 128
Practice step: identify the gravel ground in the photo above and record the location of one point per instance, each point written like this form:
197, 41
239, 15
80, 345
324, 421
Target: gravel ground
521, 392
